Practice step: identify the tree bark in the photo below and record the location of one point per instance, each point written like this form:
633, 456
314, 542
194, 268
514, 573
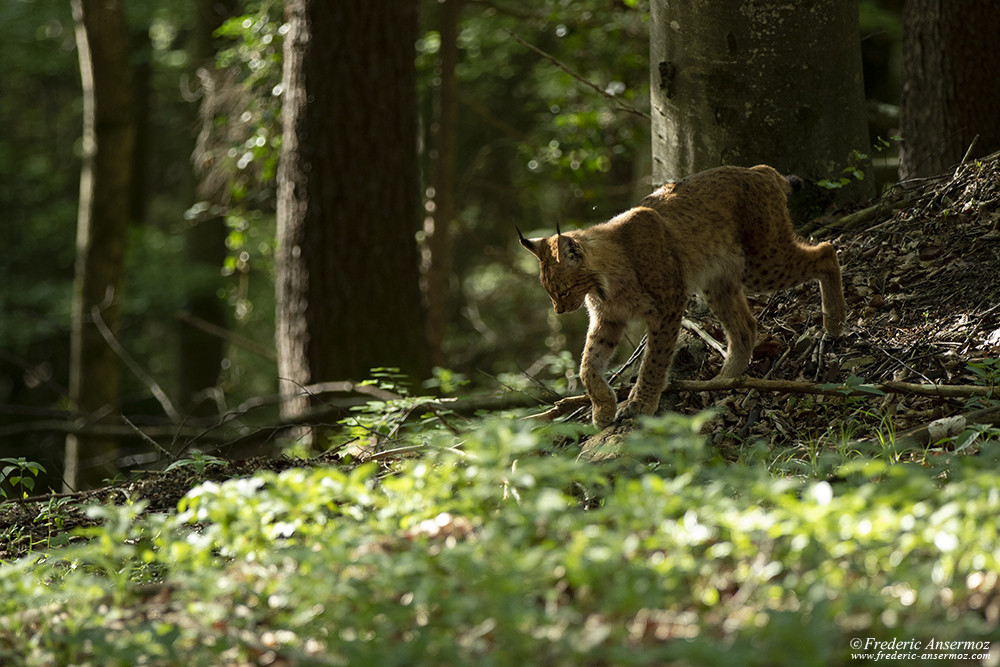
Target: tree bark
108, 140
441, 197
770, 82
950, 96
348, 196
205, 239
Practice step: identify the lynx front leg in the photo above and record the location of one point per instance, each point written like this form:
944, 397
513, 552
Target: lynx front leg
602, 338
645, 395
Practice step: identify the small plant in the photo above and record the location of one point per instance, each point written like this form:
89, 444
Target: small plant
389, 379
198, 461
853, 172
985, 371
884, 147
446, 381
379, 421
52, 516
20, 474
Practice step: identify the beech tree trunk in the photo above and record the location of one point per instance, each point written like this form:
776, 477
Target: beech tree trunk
108, 140
771, 81
348, 196
950, 93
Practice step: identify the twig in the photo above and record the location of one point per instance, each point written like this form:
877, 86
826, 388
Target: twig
225, 334
704, 335
144, 377
966, 156
633, 358
145, 438
512, 389
621, 104
447, 424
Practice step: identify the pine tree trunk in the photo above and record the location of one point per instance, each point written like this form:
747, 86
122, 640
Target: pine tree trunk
771, 82
950, 93
201, 354
108, 140
348, 196
438, 223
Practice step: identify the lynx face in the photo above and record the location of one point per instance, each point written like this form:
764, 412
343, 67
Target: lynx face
561, 271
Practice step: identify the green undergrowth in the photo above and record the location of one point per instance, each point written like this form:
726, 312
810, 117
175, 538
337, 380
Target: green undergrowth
497, 548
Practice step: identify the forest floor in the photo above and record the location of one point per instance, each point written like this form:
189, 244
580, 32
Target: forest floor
921, 271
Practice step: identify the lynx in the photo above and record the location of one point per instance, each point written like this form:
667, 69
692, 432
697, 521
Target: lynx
717, 232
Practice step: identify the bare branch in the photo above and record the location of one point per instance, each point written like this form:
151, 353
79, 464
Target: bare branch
618, 102
144, 377
226, 335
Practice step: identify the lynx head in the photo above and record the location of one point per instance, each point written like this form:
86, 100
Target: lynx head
562, 269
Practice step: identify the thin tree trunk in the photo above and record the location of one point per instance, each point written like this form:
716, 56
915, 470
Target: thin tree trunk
771, 82
108, 140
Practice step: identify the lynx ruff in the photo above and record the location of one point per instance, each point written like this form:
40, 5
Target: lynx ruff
718, 232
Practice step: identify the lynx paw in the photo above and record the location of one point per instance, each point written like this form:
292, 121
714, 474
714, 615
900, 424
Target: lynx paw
628, 410
603, 415
834, 327
834, 318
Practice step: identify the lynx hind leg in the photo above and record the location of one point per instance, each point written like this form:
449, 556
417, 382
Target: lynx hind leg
819, 262
729, 303
602, 339
831, 287
798, 262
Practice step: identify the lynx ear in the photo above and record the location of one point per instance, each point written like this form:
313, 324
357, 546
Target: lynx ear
528, 244
569, 249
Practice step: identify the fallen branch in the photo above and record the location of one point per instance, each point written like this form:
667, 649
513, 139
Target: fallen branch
571, 403
861, 218
222, 433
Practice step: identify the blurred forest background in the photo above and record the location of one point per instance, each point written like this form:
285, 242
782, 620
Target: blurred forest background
532, 145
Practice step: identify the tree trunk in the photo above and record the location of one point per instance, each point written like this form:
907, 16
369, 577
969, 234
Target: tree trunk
441, 197
205, 240
108, 139
348, 196
950, 93
770, 82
